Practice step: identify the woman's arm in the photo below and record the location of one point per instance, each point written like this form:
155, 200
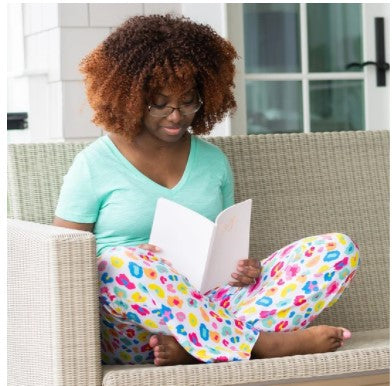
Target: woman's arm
59, 222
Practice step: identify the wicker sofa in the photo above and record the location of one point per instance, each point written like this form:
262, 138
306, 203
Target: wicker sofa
301, 184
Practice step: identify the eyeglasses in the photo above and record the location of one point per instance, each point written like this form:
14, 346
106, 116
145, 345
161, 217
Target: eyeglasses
184, 109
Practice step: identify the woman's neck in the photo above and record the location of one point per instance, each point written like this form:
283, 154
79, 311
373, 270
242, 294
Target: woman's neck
147, 143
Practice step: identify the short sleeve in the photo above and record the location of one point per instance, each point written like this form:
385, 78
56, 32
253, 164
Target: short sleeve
228, 185
77, 201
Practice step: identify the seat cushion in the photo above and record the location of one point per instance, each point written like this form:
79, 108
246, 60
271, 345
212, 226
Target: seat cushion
365, 352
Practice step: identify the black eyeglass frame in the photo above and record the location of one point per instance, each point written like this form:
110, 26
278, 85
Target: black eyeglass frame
176, 108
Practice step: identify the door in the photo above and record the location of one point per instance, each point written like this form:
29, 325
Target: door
310, 67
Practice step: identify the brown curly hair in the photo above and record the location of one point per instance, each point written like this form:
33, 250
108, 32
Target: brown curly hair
148, 53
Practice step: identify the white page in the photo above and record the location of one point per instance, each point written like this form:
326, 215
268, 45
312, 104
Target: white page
184, 237
230, 244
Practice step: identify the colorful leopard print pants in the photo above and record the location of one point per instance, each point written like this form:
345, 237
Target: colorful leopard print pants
141, 295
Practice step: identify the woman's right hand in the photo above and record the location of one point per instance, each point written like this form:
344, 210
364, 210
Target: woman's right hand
149, 247
154, 248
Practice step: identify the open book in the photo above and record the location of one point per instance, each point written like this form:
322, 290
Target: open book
205, 252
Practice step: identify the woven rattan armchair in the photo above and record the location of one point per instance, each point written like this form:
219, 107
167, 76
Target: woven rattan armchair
301, 185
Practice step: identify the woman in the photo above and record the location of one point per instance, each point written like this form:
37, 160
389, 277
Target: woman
155, 84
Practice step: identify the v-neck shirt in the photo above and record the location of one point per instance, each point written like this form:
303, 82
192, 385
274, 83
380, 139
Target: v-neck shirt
104, 188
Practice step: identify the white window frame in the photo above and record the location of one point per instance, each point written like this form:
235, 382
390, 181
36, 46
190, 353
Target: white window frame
376, 98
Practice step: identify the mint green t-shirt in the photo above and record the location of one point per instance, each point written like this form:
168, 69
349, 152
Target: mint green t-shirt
104, 188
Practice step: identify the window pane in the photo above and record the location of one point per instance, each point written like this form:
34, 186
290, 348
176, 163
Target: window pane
334, 36
272, 39
274, 107
336, 105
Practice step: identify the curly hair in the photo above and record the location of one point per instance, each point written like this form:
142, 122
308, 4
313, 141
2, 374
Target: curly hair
148, 53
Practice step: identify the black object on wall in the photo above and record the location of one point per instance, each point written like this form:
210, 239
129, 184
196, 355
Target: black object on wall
16, 121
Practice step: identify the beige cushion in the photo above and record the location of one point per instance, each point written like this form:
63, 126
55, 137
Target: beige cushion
366, 351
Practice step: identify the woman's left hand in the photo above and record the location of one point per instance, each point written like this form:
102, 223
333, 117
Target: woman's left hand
248, 270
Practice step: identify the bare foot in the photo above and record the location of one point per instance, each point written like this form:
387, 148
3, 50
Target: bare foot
167, 351
317, 339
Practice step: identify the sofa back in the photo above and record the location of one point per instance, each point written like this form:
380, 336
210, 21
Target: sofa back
301, 185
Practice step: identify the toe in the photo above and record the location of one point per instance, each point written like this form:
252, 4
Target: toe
162, 358
153, 342
339, 334
159, 349
161, 354
335, 347
346, 333
336, 344
159, 362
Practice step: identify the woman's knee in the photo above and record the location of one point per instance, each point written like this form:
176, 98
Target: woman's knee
346, 244
341, 251
335, 240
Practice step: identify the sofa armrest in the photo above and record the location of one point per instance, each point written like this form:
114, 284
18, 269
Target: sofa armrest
53, 310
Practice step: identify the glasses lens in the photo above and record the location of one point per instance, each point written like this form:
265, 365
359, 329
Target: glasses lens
160, 111
188, 109
191, 108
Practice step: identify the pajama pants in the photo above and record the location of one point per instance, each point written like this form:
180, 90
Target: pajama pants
142, 295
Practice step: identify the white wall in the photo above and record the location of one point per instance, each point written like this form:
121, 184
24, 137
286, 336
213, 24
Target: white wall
215, 15
46, 43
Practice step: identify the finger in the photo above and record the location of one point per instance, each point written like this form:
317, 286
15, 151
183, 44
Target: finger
251, 272
254, 263
249, 269
236, 284
149, 247
249, 263
168, 262
247, 280
242, 283
243, 279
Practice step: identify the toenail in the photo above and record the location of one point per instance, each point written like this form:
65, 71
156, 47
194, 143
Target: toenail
346, 334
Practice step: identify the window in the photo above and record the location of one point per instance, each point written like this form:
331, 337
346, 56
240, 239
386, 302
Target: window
294, 75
